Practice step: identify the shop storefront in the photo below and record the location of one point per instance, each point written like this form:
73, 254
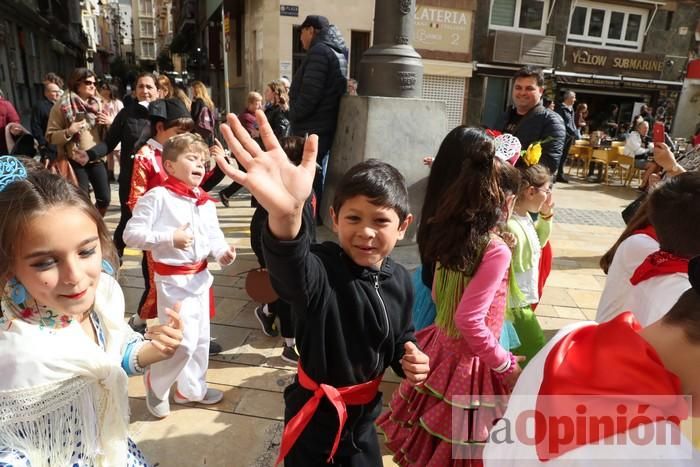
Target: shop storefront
443, 38
602, 78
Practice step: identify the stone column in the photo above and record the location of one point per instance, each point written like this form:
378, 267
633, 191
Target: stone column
392, 67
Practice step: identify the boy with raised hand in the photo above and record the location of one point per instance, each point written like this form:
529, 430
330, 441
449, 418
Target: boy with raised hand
350, 300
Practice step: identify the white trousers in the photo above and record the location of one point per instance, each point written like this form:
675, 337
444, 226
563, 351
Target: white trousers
188, 366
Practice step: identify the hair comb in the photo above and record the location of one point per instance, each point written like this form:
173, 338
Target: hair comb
507, 148
11, 170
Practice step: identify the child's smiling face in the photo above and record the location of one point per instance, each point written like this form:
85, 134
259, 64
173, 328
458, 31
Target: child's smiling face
367, 232
60, 270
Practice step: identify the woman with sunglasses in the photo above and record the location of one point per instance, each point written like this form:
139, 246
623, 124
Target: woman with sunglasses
112, 105
78, 122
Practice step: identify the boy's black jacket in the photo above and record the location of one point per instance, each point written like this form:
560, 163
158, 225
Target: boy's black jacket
351, 321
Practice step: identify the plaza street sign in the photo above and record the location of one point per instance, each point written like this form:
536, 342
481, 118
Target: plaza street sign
289, 10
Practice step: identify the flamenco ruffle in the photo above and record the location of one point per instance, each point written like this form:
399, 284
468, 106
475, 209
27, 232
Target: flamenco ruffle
446, 421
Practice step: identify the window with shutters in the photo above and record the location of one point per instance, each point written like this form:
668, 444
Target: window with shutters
519, 15
450, 90
613, 27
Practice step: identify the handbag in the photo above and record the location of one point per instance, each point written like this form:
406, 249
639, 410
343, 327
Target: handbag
259, 287
61, 166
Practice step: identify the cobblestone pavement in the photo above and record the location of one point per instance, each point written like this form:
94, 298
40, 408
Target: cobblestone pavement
244, 429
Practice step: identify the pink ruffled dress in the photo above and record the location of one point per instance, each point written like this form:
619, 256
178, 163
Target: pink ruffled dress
419, 426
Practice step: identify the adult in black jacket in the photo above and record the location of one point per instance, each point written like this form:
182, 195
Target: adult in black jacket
566, 112
530, 122
318, 86
131, 125
40, 118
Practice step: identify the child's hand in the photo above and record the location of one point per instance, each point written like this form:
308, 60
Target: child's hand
280, 187
166, 338
510, 379
548, 206
216, 151
428, 161
510, 239
182, 239
415, 364
228, 257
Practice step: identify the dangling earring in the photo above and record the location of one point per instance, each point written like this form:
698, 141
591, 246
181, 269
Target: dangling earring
18, 293
107, 267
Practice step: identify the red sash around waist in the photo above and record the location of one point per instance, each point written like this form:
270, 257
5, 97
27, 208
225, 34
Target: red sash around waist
182, 270
358, 394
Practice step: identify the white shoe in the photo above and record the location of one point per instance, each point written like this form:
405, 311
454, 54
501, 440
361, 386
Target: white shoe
159, 408
213, 396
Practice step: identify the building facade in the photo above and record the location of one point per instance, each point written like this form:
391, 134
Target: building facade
144, 29
622, 52
36, 37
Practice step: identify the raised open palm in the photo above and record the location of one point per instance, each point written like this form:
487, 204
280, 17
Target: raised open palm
279, 186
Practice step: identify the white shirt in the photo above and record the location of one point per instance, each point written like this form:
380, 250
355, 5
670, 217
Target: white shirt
158, 214
626, 454
633, 144
629, 255
651, 299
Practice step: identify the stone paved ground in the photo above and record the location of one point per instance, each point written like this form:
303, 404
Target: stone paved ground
244, 429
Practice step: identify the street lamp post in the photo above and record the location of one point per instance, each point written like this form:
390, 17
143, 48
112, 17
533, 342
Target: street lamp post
392, 67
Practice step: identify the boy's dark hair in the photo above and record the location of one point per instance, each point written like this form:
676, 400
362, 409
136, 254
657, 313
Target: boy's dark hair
293, 147
674, 211
530, 72
378, 181
685, 312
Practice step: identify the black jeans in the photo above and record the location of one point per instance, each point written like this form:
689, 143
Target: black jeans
124, 189
564, 157
94, 173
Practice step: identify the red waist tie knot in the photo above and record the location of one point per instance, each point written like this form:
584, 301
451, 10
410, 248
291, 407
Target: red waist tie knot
358, 394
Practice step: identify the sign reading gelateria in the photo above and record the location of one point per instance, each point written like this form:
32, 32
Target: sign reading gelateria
612, 62
443, 29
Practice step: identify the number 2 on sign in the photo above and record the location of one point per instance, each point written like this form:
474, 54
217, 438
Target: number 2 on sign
455, 39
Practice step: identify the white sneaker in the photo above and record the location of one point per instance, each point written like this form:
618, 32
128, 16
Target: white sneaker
159, 408
213, 396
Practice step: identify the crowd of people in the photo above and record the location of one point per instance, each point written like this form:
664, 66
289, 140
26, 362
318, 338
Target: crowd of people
462, 334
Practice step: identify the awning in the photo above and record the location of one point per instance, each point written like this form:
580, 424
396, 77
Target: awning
608, 81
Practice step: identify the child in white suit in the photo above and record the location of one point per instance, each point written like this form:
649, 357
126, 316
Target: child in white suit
177, 222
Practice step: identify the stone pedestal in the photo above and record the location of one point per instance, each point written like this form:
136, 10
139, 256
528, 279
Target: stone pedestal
399, 131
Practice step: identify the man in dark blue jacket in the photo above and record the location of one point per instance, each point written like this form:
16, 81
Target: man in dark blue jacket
566, 112
317, 87
530, 122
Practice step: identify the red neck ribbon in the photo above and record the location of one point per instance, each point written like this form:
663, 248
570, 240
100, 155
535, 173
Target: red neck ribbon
604, 371
180, 188
358, 394
659, 263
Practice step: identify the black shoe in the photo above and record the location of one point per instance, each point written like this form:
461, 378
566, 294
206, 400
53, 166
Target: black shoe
562, 179
214, 348
267, 322
223, 198
140, 328
289, 354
